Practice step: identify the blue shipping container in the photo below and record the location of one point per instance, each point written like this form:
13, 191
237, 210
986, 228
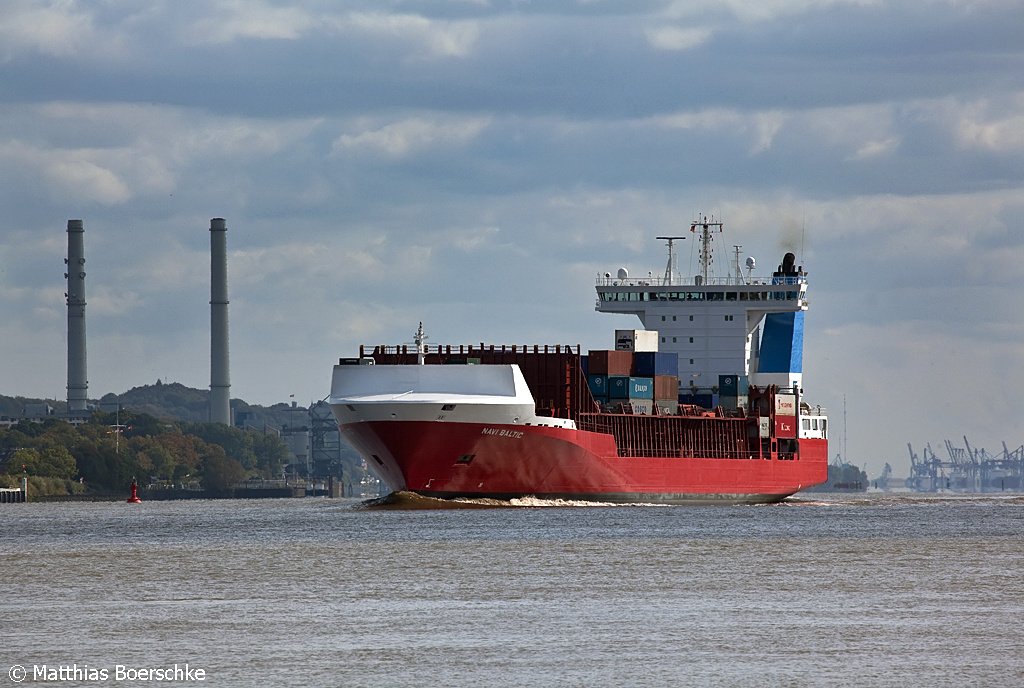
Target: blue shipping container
733, 385
622, 387
598, 385
703, 400
651, 363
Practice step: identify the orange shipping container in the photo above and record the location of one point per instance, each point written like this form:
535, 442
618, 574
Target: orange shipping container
612, 362
666, 387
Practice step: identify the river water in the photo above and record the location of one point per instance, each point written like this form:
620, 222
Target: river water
869, 590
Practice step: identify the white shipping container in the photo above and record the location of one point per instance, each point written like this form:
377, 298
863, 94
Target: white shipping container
785, 405
667, 408
636, 340
642, 407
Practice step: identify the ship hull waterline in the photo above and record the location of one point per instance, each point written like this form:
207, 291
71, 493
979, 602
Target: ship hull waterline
490, 461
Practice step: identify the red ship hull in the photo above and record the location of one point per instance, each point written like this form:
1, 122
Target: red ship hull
478, 460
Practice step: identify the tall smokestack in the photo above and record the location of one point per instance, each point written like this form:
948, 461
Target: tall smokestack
78, 384
220, 383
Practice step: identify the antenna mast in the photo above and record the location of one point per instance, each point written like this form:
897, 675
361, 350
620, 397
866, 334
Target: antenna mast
705, 225
670, 268
420, 339
739, 272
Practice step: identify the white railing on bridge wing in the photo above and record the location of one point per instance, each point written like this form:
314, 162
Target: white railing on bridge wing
653, 281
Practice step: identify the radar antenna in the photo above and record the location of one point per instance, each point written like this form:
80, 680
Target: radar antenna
670, 268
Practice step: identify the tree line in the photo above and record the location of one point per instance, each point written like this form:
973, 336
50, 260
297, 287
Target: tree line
105, 453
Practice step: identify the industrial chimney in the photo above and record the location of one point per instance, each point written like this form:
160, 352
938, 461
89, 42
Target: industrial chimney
220, 383
78, 385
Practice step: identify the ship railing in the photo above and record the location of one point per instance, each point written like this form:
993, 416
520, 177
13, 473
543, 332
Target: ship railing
627, 452
661, 281
470, 350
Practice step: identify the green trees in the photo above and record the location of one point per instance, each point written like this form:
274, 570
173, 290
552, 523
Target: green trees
219, 472
48, 462
108, 451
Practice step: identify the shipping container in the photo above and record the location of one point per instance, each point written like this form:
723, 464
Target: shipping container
785, 404
625, 387
651, 363
643, 407
666, 387
733, 385
703, 400
604, 362
666, 407
598, 385
636, 340
734, 402
785, 426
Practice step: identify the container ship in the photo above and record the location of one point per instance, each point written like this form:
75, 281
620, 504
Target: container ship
702, 404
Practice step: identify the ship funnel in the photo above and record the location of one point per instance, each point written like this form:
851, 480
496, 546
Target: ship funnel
78, 385
220, 383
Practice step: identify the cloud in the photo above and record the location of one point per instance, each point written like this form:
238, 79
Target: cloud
406, 137
58, 30
983, 125
677, 38
82, 174
231, 20
873, 149
759, 128
437, 39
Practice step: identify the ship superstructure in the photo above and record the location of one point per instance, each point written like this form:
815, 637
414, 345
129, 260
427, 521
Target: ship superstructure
738, 325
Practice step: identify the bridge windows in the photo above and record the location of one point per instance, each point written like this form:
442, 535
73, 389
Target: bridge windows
640, 296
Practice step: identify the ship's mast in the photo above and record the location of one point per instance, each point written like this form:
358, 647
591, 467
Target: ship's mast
706, 226
670, 268
420, 340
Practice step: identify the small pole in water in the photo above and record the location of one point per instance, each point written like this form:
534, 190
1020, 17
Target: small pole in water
134, 498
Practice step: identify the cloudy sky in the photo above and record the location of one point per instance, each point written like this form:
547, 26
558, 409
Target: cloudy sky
475, 164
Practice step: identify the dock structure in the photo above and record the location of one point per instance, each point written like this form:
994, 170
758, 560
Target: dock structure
968, 469
14, 495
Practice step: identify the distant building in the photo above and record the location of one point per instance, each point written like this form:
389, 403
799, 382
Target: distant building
38, 411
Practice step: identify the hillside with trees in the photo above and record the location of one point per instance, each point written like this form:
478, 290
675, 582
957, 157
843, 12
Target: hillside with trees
104, 454
158, 435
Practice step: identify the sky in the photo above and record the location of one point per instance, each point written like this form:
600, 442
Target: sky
475, 165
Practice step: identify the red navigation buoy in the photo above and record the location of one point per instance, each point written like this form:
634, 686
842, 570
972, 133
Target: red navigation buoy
134, 499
